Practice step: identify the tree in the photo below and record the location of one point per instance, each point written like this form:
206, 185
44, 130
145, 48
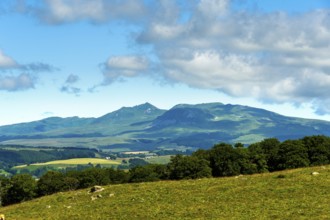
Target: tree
4, 185
117, 176
23, 187
270, 148
258, 158
202, 154
292, 154
51, 182
137, 162
147, 173
318, 149
188, 167
245, 160
224, 160
90, 177
70, 183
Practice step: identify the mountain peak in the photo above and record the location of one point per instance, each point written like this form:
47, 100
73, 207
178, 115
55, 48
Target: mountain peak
145, 106
201, 106
134, 113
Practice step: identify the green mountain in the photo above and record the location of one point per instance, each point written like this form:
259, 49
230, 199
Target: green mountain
145, 127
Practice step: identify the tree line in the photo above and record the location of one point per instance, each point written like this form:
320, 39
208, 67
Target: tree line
221, 160
16, 155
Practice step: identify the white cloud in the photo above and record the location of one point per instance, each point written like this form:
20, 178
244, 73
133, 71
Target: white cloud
134, 63
60, 11
213, 70
124, 66
214, 8
22, 76
17, 83
273, 57
6, 62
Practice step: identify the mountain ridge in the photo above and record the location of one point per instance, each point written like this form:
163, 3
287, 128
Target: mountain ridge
145, 127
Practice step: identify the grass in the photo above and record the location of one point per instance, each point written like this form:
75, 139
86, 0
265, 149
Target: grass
88, 142
4, 173
75, 161
298, 195
159, 159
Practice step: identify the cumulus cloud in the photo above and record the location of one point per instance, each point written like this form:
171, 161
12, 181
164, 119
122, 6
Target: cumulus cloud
118, 67
61, 11
19, 77
17, 83
273, 57
6, 61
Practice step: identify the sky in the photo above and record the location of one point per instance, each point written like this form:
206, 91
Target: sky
87, 58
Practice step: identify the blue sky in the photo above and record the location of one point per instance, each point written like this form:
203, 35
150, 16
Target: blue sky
87, 58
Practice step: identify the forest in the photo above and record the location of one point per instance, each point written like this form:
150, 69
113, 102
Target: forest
219, 161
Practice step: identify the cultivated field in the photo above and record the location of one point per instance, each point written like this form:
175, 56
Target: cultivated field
293, 194
75, 161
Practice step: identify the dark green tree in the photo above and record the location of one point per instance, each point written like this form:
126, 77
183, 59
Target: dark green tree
245, 160
51, 182
292, 154
270, 148
4, 185
147, 173
202, 154
258, 158
318, 149
188, 167
91, 176
22, 188
117, 176
70, 183
137, 162
224, 160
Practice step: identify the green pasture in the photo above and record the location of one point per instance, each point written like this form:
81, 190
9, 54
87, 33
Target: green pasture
159, 159
292, 194
70, 162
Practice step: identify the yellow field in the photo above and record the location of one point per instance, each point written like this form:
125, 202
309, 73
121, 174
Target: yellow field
75, 161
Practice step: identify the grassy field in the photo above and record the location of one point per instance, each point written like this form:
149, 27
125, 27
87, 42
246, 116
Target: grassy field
75, 161
293, 194
159, 159
62, 164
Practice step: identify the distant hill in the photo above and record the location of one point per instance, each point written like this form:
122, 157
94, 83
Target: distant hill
291, 194
145, 127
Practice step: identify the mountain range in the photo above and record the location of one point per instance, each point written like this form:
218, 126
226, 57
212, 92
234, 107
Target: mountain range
145, 127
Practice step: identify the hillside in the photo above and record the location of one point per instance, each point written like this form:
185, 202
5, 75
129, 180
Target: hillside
145, 127
292, 194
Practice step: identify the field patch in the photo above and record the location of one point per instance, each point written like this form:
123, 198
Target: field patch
75, 161
159, 159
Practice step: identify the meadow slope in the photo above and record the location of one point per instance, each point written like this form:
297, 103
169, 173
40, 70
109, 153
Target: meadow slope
292, 194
